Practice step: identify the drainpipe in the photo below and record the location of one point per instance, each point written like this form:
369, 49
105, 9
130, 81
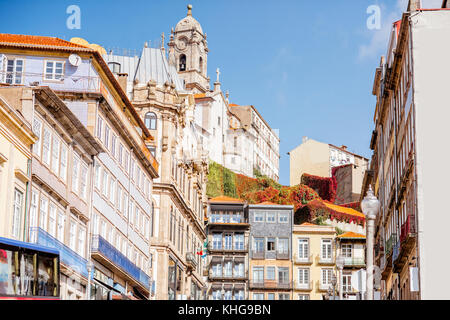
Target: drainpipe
27, 195
89, 230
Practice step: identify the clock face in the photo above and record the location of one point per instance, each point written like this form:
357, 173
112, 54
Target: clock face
181, 44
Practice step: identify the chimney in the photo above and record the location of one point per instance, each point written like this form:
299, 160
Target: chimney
122, 78
304, 139
414, 5
344, 147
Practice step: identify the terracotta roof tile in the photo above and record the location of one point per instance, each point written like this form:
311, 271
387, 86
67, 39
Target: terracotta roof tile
268, 203
37, 40
225, 199
352, 235
307, 224
345, 210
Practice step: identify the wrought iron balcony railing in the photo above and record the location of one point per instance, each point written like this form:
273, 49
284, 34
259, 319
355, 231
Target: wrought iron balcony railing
349, 262
408, 228
390, 243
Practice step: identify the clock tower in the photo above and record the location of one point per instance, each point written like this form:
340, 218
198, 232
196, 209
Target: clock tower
188, 52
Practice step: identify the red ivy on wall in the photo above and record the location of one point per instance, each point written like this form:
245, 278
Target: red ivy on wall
326, 187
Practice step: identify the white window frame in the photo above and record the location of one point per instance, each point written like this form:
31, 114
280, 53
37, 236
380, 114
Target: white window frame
14, 74
54, 76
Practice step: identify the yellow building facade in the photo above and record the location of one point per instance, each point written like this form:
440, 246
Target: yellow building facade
16, 139
313, 259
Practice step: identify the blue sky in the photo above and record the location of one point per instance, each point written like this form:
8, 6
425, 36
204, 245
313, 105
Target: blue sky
308, 66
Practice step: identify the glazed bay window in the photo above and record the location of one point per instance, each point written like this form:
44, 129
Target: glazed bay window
54, 70
217, 241
239, 241
14, 71
346, 250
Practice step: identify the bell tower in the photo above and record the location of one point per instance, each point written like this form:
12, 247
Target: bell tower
188, 52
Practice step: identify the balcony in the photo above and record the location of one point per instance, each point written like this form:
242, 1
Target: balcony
326, 261
270, 284
390, 243
406, 243
307, 260
303, 286
408, 229
227, 220
354, 262
323, 286
242, 248
258, 255
113, 258
283, 256
191, 261
67, 256
228, 277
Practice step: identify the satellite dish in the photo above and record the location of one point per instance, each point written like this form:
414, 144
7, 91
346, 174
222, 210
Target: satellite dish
74, 60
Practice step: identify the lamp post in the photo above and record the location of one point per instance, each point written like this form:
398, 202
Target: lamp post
340, 266
370, 207
89, 267
333, 282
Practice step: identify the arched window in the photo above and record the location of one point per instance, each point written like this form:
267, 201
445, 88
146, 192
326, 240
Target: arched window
150, 120
114, 66
183, 62
200, 64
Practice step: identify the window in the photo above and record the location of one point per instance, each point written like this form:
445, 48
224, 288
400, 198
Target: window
52, 220
258, 274
119, 198
217, 270
303, 248
98, 172
258, 296
113, 144
228, 295
152, 150
283, 275
33, 211
217, 294
346, 250
63, 163
99, 127
150, 120
72, 235
270, 273
326, 249
14, 71
259, 245
283, 245
46, 147
347, 283
303, 297
228, 241
239, 241
283, 217
259, 216
271, 296
120, 153
114, 66
283, 296
43, 213
60, 229
83, 181
54, 70
106, 139
105, 183
75, 172
228, 269
81, 241
112, 189
37, 129
271, 217
182, 65
17, 213
239, 294
55, 154
327, 274
303, 276
271, 244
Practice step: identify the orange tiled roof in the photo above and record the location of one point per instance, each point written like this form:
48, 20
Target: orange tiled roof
226, 199
233, 105
345, 210
268, 203
307, 224
352, 235
199, 95
37, 40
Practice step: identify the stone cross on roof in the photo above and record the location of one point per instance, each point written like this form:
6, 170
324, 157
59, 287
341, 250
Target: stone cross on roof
218, 74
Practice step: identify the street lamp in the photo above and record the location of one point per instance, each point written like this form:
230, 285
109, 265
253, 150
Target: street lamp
340, 266
333, 282
370, 207
89, 267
